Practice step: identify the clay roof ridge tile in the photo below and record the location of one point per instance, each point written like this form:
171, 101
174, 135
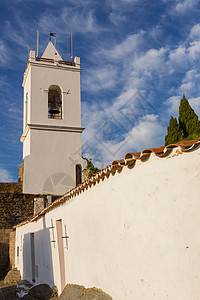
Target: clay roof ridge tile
135, 155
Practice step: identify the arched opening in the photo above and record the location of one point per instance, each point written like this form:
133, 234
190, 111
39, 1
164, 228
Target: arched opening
54, 102
78, 174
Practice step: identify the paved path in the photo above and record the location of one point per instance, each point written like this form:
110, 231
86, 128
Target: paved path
7, 292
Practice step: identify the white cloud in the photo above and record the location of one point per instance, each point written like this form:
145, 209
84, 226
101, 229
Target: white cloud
190, 83
146, 134
155, 33
5, 176
181, 57
185, 5
80, 3
125, 4
178, 57
11, 33
117, 17
100, 78
4, 57
195, 32
195, 104
3, 81
83, 22
141, 69
187, 86
194, 50
152, 60
172, 104
191, 75
126, 50
128, 124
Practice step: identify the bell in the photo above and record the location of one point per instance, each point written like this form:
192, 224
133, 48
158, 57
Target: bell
54, 109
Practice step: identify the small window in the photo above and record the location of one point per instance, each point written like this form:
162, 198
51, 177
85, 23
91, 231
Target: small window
54, 102
78, 174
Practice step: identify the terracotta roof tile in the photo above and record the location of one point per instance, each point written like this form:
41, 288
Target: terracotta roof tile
132, 155
155, 150
117, 165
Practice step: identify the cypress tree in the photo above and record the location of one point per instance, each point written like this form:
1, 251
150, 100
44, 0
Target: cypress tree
188, 120
188, 127
174, 134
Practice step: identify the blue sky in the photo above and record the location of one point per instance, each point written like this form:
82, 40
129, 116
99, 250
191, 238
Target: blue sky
138, 58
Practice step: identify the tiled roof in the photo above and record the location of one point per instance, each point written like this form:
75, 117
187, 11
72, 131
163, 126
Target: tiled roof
129, 160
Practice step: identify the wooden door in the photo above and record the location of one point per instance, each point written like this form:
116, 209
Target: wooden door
61, 252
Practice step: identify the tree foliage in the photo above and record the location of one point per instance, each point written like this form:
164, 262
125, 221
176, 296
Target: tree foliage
188, 120
188, 126
92, 169
173, 132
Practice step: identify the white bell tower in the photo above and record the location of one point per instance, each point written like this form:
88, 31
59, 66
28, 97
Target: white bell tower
51, 124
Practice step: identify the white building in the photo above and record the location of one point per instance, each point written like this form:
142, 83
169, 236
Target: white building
131, 230
52, 124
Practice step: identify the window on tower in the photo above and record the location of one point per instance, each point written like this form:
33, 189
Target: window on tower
78, 174
54, 102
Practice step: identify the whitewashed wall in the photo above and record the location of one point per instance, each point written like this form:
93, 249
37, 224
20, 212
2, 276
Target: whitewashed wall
51, 147
135, 235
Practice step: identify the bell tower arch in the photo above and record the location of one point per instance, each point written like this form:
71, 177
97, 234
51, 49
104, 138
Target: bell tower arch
54, 102
52, 123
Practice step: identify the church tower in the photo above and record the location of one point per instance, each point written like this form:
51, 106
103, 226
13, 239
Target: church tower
51, 124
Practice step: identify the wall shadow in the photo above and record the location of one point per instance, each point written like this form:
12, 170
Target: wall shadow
4, 259
43, 265
8, 292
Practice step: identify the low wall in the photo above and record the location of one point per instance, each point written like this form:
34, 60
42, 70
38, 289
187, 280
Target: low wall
14, 208
135, 234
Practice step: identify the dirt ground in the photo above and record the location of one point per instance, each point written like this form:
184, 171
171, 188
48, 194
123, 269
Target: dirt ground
7, 292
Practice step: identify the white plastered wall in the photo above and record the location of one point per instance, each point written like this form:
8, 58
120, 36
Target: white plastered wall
27, 145
50, 168
42, 77
53, 147
27, 91
135, 235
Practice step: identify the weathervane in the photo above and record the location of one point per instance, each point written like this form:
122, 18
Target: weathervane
52, 34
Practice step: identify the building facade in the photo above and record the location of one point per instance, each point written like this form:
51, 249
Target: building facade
52, 124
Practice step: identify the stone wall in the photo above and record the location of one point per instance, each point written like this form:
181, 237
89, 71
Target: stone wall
15, 207
21, 173
39, 204
4, 251
15, 187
